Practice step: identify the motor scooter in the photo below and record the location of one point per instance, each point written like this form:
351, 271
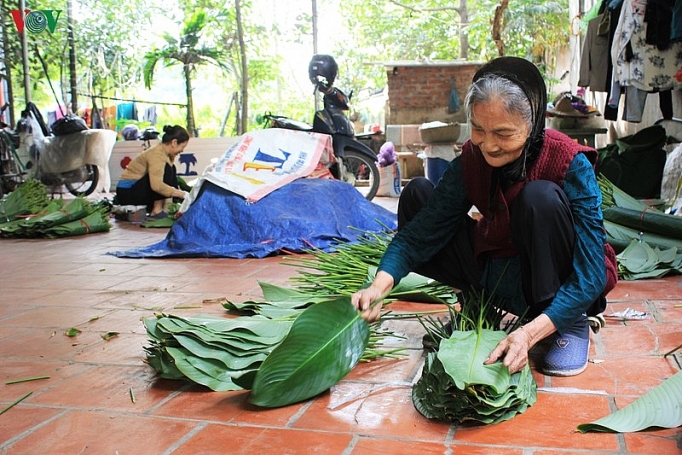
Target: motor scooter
57, 161
355, 162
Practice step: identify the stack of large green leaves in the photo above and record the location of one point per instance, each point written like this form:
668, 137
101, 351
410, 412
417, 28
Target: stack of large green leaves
219, 353
225, 353
640, 261
60, 219
457, 387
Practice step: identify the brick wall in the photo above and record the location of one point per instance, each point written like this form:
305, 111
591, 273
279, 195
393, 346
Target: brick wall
420, 92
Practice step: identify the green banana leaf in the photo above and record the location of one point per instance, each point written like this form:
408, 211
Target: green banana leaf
166, 222
324, 344
208, 372
660, 407
273, 293
465, 365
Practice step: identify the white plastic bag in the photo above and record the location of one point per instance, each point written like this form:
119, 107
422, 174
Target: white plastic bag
389, 181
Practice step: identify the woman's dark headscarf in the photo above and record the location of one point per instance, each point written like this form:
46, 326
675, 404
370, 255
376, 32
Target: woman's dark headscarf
525, 74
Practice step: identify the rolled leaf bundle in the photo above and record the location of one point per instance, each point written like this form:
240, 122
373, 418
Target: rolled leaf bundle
25, 227
95, 222
75, 210
645, 220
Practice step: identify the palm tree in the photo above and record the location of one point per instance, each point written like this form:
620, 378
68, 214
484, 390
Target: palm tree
190, 53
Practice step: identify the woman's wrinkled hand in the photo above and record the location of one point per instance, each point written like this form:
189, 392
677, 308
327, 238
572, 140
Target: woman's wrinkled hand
363, 299
513, 350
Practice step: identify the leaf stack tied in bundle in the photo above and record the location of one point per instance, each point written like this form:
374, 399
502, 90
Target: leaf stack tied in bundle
30, 197
219, 353
457, 387
60, 219
627, 219
648, 241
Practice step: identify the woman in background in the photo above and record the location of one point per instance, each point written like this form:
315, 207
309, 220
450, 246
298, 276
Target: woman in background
151, 178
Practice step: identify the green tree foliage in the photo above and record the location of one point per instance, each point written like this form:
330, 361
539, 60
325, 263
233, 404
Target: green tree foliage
189, 50
116, 38
391, 30
105, 49
108, 44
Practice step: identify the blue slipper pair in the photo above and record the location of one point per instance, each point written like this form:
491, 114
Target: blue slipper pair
568, 352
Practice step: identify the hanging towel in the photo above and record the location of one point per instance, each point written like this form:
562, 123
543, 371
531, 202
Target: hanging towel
453, 105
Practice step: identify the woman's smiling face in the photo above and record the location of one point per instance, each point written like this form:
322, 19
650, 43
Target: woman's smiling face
499, 134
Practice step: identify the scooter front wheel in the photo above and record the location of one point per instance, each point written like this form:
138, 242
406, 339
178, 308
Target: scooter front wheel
86, 183
361, 172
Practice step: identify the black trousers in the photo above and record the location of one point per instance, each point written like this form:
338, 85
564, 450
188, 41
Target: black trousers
141, 192
542, 230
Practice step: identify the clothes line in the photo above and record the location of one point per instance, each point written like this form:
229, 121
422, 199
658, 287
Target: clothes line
134, 101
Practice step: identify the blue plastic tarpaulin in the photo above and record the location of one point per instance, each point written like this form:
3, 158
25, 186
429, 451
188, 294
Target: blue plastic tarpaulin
304, 214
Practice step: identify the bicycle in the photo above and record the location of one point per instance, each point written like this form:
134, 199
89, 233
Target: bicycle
12, 170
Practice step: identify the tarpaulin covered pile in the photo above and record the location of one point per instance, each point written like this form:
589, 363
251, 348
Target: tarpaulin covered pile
303, 214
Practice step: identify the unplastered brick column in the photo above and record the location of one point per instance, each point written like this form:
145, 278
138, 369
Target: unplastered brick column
419, 92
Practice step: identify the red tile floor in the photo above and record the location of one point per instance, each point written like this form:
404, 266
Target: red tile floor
85, 406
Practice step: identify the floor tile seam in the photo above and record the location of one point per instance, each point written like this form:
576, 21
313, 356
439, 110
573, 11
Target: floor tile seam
531, 449
653, 310
18, 437
186, 437
447, 443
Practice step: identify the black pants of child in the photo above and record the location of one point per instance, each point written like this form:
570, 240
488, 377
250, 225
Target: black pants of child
141, 192
545, 242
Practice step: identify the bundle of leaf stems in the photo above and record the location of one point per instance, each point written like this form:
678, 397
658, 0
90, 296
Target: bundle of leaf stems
343, 271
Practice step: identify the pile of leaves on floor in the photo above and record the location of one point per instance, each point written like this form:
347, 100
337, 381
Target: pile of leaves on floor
647, 240
455, 385
28, 212
298, 341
